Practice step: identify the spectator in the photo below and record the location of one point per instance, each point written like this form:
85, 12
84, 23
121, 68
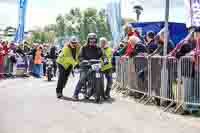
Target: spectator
150, 42
121, 50
159, 40
1, 61
184, 46
6, 59
11, 59
131, 31
5, 47
37, 62
135, 46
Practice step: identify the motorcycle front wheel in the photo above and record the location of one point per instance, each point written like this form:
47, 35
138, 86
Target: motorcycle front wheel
99, 88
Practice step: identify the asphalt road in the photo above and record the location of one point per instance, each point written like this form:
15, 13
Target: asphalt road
30, 106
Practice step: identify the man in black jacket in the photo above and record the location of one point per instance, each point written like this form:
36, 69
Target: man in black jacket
89, 51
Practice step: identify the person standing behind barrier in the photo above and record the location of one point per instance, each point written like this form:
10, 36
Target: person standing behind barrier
159, 40
31, 62
37, 60
6, 62
150, 42
136, 48
119, 52
66, 60
130, 33
1, 61
107, 65
11, 58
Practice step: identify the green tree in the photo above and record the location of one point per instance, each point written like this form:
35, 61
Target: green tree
80, 23
42, 37
60, 29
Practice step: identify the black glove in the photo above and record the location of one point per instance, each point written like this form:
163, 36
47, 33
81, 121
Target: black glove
77, 66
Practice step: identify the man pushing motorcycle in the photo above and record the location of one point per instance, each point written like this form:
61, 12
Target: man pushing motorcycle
67, 60
88, 52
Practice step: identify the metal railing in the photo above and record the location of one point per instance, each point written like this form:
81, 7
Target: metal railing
18, 68
177, 83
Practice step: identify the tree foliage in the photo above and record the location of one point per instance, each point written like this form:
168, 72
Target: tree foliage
42, 37
75, 22
80, 23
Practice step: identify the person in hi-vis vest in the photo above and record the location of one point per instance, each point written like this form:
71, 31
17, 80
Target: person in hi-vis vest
67, 60
107, 65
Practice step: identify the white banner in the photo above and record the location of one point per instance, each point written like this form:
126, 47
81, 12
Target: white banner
192, 12
115, 19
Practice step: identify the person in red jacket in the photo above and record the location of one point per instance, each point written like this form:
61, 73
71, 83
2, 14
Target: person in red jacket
1, 61
5, 47
132, 32
6, 59
131, 43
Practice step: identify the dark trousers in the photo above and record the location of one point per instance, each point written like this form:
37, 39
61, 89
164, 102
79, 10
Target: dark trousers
83, 78
108, 75
62, 78
55, 67
44, 69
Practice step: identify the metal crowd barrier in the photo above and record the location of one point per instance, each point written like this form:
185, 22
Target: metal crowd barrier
9, 68
177, 82
6, 67
163, 78
138, 75
190, 77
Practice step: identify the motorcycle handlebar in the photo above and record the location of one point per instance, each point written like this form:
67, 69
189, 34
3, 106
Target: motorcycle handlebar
91, 60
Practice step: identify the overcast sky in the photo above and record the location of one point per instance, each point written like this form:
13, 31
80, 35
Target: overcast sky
42, 12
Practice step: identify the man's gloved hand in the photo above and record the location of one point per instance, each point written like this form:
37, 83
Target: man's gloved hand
77, 66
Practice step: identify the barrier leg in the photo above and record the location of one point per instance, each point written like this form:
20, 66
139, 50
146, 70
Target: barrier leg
178, 107
142, 98
148, 100
169, 106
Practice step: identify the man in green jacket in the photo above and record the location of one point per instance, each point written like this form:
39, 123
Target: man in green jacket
67, 59
107, 65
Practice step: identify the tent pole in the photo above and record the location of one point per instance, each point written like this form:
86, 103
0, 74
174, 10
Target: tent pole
164, 69
166, 26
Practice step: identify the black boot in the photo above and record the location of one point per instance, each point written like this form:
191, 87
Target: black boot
107, 93
59, 95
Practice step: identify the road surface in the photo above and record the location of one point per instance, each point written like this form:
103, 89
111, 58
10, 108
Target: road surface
30, 106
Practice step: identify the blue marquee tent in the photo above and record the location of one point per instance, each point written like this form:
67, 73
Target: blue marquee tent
177, 30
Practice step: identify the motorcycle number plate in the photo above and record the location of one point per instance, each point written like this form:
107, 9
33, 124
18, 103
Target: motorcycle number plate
98, 75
